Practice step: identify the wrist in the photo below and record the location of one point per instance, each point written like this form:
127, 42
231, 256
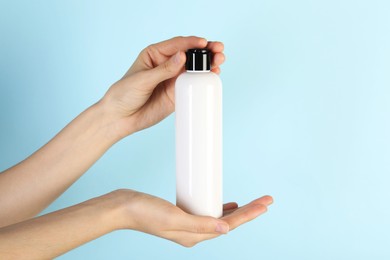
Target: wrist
124, 208
115, 127
112, 205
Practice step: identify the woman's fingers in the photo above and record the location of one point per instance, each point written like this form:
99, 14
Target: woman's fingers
188, 230
233, 217
167, 70
229, 211
158, 53
215, 46
218, 59
180, 43
203, 225
265, 200
172, 46
244, 214
230, 205
216, 70
238, 216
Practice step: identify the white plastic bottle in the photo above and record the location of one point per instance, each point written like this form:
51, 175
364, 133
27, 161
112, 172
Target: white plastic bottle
198, 109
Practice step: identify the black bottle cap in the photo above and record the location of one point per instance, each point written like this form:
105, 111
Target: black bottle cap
198, 60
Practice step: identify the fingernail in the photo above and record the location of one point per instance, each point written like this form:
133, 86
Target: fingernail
271, 199
176, 58
222, 228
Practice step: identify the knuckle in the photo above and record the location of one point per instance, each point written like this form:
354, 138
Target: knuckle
120, 193
151, 50
246, 214
151, 47
178, 37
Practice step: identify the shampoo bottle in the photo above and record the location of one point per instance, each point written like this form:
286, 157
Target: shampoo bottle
198, 119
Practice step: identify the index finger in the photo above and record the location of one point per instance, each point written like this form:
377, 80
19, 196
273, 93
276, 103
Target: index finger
215, 46
180, 43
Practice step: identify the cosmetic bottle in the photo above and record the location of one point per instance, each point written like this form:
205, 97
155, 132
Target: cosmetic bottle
198, 123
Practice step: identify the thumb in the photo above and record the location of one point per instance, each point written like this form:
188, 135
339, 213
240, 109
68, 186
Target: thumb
168, 69
203, 225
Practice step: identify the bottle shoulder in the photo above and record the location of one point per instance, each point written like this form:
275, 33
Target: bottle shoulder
198, 78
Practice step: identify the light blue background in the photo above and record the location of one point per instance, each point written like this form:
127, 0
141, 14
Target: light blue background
306, 116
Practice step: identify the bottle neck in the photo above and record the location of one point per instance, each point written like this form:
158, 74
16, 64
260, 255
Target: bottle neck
198, 71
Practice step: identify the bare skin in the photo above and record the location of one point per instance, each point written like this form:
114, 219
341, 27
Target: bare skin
142, 98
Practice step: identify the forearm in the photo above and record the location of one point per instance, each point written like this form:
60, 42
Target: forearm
30, 186
53, 234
